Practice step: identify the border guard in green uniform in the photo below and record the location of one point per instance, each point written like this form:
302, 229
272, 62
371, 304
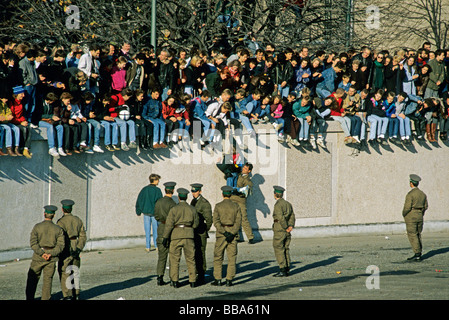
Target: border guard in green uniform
283, 223
69, 260
204, 210
227, 218
47, 242
181, 221
239, 196
413, 212
161, 210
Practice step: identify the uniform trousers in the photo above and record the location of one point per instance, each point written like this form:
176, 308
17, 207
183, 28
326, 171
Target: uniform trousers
281, 246
200, 252
47, 268
414, 225
246, 226
68, 270
162, 255
176, 248
231, 249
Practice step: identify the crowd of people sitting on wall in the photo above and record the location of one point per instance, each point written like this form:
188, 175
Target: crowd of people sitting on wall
151, 99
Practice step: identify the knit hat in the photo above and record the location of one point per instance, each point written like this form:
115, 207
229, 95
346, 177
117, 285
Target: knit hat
18, 90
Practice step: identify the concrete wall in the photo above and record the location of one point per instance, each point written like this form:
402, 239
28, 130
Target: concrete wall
334, 191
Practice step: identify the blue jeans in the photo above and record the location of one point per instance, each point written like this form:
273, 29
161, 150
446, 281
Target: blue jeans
131, 129
356, 125
183, 129
51, 134
323, 93
30, 102
404, 127
150, 223
283, 92
304, 129
158, 130
393, 126
97, 129
244, 119
164, 94
9, 129
107, 132
282, 121
232, 181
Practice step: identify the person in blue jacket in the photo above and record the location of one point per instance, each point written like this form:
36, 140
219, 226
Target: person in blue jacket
390, 109
152, 111
327, 85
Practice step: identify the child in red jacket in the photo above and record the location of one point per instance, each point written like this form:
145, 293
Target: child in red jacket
18, 113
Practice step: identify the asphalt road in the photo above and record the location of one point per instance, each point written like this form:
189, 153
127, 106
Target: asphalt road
371, 267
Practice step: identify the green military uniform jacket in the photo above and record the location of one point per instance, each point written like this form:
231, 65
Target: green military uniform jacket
181, 221
146, 200
46, 237
161, 210
283, 215
242, 181
204, 210
415, 201
74, 232
227, 217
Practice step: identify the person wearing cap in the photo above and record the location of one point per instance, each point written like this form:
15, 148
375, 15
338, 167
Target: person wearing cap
413, 212
227, 218
161, 210
204, 210
182, 219
239, 197
47, 242
284, 221
75, 240
146, 200
18, 112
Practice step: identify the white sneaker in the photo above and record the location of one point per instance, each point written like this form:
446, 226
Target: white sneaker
98, 149
295, 142
313, 143
61, 152
320, 142
53, 152
33, 126
124, 147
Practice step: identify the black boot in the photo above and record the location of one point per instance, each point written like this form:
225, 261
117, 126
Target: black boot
282, 273
192, 284
147, 143
416, 257
229, 283
160, 280
141, 138
216, 283
175, 284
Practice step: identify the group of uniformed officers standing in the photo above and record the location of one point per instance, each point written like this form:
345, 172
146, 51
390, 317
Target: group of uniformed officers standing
184, 227
59, 243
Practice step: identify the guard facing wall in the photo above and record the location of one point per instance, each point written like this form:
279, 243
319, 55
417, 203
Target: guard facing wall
333, 191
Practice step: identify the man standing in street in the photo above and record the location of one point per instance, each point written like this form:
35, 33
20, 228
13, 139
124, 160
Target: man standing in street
413, 212
204, 210
161, 210
244, 187
181, 221
47, 242
145, 203
284, 221
69, 259
227, 218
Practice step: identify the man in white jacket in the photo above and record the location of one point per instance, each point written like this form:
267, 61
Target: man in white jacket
90, 65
